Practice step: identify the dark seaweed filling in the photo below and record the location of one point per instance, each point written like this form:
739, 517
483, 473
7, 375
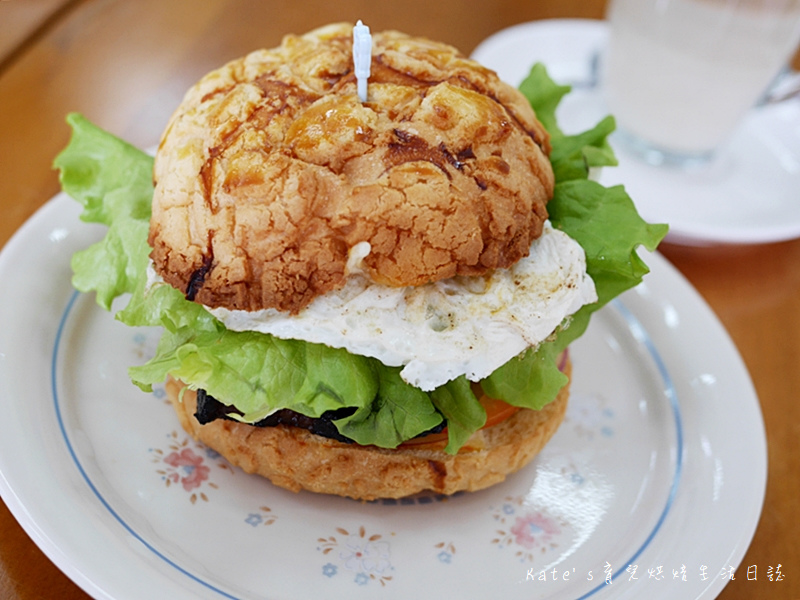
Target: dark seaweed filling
210, 409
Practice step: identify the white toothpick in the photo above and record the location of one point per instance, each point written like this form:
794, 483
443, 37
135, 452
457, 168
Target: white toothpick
362, 57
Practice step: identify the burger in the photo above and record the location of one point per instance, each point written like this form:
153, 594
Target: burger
362, 296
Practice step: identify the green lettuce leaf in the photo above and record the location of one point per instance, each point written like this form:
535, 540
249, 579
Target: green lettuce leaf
113, 182
530, 380
264, 373
259, 374
572, 156
398, 412
464, 413
605, 223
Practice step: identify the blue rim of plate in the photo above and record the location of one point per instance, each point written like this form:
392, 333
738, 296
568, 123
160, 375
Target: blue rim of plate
635, 328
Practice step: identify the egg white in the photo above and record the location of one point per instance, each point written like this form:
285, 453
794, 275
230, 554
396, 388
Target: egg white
440, 331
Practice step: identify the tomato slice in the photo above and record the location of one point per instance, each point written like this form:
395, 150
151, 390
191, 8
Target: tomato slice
497, 411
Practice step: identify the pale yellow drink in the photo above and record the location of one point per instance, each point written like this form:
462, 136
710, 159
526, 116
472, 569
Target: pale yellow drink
680, 74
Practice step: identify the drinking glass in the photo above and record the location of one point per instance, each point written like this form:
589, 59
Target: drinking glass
679, 75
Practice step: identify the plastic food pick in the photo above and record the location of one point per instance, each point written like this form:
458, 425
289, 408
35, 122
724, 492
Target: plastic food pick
362, 57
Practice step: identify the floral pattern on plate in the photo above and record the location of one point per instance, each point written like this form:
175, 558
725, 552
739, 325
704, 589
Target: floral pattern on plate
447, 551
261, 517
366, 557
527, 530
185, 463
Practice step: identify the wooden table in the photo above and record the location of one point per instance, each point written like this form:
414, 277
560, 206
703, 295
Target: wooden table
126, 65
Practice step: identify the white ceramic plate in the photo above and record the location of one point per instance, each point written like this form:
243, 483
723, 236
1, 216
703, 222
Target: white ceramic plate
660, 463
749, 194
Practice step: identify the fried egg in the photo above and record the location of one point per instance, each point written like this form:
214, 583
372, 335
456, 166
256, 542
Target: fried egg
441, 330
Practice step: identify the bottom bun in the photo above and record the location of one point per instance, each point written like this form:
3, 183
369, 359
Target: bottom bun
296, 459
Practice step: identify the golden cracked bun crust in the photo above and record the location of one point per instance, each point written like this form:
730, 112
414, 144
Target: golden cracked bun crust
296, 459
271, 169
